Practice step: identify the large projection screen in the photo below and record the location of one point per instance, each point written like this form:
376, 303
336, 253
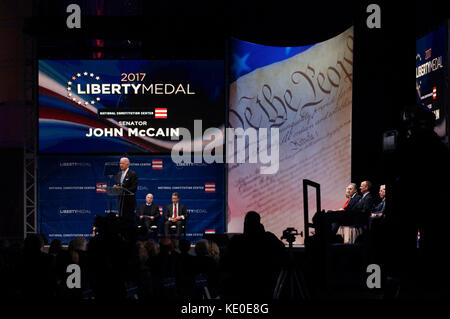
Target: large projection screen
134, 106
306, 92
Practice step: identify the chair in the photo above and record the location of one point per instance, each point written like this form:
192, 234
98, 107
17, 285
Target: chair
172, 228
146, 228
154, 231
350, 233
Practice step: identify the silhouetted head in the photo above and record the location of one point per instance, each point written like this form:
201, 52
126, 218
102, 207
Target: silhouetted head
202, 247
33, 244
184, 246
252, 223
152, 247
55, 247
165, 246
78, 243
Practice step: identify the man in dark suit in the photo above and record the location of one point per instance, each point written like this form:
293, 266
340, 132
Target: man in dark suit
148, 213
377, 213
361, 211
343, 216
378, 210
354, 197
175, 214
126, 178
328, 223
377, 228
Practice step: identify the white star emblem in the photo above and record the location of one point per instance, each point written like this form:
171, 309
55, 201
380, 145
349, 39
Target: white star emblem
239, 64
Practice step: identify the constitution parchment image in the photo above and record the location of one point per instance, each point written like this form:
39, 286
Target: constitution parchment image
308, 97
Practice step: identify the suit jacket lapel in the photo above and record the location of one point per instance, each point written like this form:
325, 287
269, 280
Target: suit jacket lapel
352, 201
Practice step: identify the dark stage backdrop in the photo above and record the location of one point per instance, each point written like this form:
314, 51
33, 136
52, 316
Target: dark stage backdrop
72, 191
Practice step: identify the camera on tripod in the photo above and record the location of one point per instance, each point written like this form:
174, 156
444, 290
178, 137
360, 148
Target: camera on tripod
290, 275
289, 234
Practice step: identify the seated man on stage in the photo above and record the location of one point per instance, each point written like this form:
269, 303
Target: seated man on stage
364, 206
148, 213
351, 192
356, 212
378, 210
342, 216
175, 214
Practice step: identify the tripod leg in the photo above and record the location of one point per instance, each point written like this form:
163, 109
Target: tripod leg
280, 282
301, 285
292, 278
206, 291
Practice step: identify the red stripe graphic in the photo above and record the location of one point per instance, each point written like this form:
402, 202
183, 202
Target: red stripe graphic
210, 187
100, 187
157, 164
160, 113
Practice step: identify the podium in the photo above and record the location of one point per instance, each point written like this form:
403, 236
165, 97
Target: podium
120, 192
110, 170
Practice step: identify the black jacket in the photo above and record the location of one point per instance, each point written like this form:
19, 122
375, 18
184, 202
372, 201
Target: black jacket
364, 205
130, 181
182, 211
352, 203
151, 210
127, 203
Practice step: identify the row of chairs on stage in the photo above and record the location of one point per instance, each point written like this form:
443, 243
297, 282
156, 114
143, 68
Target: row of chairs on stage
111, 223
153, 229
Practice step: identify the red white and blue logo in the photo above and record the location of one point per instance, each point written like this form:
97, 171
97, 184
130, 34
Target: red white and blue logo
210, 187
157, 164
160, 113
100, 187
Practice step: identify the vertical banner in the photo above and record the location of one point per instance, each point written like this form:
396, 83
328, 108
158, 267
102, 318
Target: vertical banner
305, 93
72, 190
431, 77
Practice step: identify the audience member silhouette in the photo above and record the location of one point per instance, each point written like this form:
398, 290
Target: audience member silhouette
35, 270
187, 269
206, 265
254, 260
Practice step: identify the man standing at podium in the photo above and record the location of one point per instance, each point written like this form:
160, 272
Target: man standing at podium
127, 179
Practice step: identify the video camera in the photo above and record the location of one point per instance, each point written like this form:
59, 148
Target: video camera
289, 234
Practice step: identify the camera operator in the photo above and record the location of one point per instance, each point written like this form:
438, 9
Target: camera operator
253, 261
418, 200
